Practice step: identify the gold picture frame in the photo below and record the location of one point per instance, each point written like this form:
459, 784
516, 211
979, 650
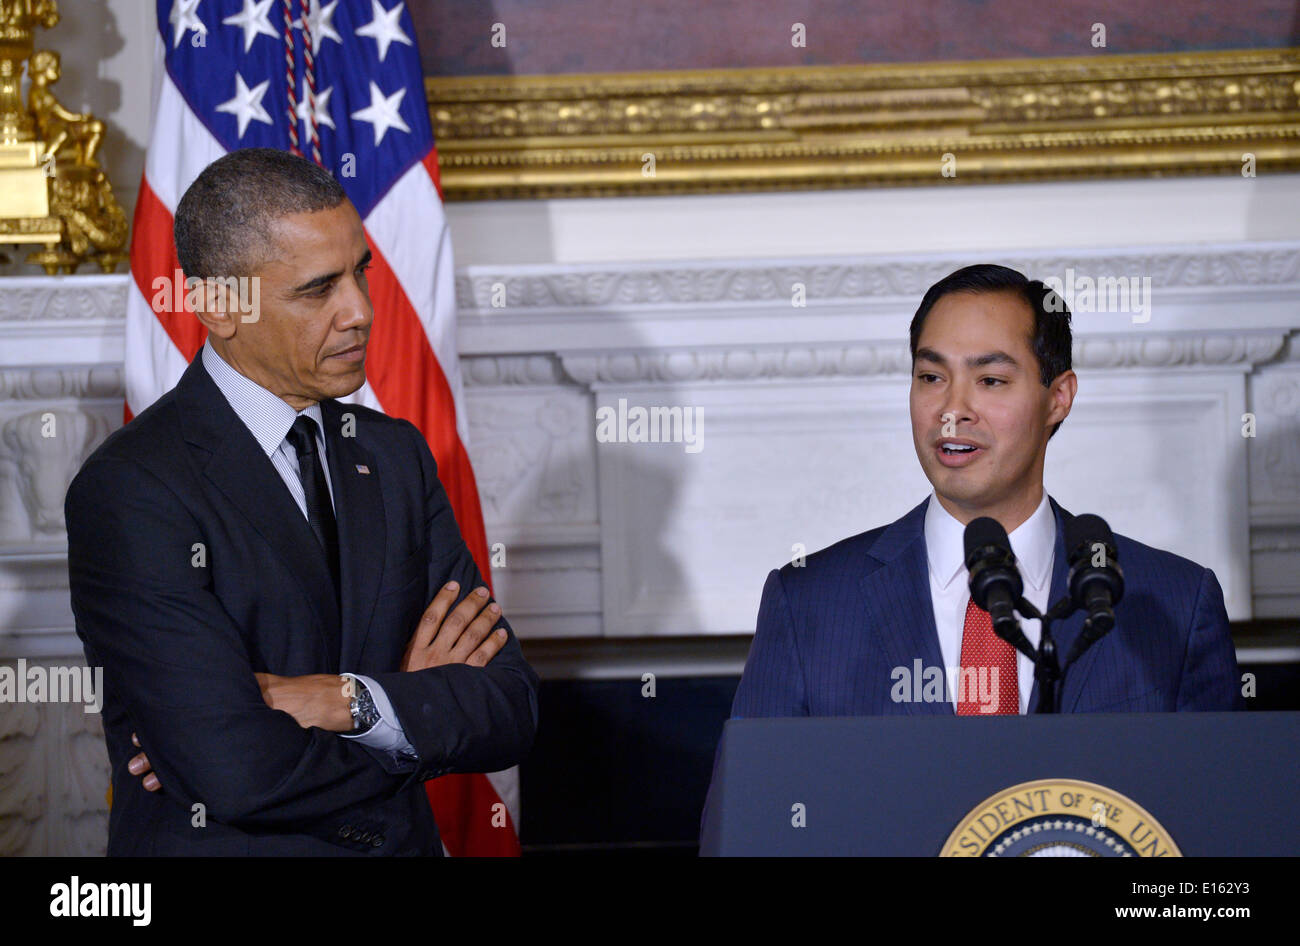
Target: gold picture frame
727, 130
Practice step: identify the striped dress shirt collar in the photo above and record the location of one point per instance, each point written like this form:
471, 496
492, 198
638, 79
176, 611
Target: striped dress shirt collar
267, 416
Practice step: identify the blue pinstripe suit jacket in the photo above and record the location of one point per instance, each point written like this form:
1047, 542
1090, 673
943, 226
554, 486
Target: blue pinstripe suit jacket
831, 632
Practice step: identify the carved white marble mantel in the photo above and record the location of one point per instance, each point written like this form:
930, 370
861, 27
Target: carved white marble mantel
806, 441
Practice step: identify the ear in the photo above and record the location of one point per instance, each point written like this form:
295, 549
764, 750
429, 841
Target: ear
1061, 394
212, 304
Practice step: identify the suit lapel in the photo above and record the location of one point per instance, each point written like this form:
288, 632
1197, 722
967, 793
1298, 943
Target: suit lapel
359, 508
899, 610
246, 477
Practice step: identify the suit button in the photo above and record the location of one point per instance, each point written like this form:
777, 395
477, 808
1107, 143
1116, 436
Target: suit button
378, 841
427, 709
345, 831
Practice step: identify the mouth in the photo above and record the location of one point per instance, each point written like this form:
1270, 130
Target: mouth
354, 354
957, 452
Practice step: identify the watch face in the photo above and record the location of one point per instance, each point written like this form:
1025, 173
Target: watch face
365, 715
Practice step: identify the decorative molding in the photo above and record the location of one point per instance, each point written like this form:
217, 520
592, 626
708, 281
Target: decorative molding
855, 126
45, 384
36, 301
1279, 539
730, 364
510, 370
47, 448
1239, 349
794, 362
60, 299
599, 286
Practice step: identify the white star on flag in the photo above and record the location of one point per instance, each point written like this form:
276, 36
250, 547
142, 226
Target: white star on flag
185, 16
319, 22
382, 112
254, 20
247, 103
322, 106
384, 28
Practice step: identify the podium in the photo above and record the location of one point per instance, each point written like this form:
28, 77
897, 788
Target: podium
1133, 784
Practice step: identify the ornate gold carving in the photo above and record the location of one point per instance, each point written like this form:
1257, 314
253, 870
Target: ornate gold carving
46, 228
18, 20
58, 125
52, 190
856, 126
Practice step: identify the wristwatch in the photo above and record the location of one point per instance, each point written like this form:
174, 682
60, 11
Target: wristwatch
362, 706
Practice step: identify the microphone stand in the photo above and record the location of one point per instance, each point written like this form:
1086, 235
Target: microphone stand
1047, 667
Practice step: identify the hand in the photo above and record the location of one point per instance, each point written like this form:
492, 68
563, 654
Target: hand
317, 699
139, 766
464, 636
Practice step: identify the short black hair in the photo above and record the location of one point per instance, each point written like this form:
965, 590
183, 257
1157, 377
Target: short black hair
222, 225
1052, 341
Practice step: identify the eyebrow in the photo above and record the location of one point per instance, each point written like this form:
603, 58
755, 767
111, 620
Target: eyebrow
972, 361
329, 277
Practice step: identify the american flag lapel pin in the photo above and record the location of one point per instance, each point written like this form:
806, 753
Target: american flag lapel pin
362, 468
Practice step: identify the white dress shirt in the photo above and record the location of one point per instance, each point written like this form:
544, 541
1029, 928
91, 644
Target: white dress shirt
269, 418
1034, 545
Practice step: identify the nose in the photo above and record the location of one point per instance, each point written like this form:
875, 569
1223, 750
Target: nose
956, 405
355, 310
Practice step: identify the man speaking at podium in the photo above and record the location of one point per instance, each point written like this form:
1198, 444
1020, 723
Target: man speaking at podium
847, 632
291, 627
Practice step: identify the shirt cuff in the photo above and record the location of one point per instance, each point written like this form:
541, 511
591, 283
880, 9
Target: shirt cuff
386, 734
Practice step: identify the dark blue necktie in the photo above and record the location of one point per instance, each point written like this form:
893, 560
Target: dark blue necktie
320, 511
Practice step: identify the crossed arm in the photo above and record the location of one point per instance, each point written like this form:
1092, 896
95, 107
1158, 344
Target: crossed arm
464, 636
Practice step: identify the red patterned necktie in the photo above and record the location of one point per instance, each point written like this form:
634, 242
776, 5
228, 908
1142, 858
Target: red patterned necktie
987, 684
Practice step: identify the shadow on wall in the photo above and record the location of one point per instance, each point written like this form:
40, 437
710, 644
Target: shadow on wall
88, 34
535, 460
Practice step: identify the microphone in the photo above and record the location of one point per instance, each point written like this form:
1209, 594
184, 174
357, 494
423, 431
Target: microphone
1096, 583
995, 583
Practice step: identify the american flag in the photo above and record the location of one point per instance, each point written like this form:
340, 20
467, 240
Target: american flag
341, 84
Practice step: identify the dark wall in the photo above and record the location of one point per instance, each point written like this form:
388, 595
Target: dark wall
569, 36
614, 771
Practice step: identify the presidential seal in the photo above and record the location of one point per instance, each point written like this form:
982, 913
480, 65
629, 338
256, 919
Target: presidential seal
1059, 818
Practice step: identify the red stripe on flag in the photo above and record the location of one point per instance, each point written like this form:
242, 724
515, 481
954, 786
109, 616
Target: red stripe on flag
397, 355
153, 255
472, 833
399, 351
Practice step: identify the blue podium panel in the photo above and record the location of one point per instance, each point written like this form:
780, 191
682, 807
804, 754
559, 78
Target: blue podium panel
1225, 784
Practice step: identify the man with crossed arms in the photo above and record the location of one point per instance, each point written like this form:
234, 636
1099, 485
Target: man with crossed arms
291, 627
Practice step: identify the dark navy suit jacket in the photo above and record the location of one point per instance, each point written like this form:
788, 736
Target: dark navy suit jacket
192, 568
831, 632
